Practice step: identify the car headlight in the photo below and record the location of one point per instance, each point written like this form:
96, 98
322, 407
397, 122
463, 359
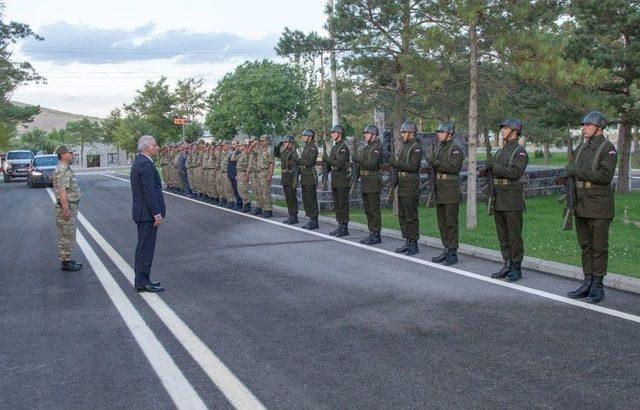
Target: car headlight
36, 173
8, 166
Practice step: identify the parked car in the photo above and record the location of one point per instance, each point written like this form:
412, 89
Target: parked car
17, 164
41, 170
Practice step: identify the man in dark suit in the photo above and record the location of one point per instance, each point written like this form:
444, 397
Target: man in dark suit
148, 210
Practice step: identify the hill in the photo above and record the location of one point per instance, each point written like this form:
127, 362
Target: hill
49, 119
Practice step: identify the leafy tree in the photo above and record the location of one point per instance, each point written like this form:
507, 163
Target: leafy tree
190, 98
7, 133
260, 97
110, 124
83, 132
35, 140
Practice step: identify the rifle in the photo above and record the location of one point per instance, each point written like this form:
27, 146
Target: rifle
326, 168
393, 173
490, 193
570, 191
355, 168
433, 187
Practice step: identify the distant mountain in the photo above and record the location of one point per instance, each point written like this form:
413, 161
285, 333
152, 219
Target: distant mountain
49, 119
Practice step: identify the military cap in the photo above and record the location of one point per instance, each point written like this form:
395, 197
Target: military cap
594, 118
371, 129
447, 127
288, 138
409, 127
338, 128
63, 149
309, 133
513, 123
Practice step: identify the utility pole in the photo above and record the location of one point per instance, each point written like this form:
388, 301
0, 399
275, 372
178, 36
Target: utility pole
335, 118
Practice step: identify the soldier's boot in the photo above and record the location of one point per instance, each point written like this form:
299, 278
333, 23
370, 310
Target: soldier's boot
223, 202
267, 214
294, 220
375, 238
288, 220
246, 208
312, 224
70, 267
515, 273
403, 248
335, 231
452, 257
215, 201
504, 271
583, 290
596, 295
257, 211
368, 239
412, 249
231, 205
75, 263
441, 257
344, 230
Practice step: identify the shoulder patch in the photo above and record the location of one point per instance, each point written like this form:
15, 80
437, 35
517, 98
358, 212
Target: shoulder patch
377, 152
523, 154
455, 152
612, 152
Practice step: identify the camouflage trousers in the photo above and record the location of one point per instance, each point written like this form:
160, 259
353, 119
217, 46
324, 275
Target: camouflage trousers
253, 180
243, 187
192, 179
264, 190
215, 186
66, 231
225, 188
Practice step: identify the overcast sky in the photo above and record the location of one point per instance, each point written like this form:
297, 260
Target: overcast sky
97, 53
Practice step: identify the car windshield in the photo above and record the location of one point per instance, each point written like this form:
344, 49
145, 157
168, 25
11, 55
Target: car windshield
20, 155
45, 162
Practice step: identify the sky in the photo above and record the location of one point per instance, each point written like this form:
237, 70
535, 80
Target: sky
96, 54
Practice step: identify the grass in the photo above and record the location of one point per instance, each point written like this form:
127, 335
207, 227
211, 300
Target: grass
558, 159
543, 234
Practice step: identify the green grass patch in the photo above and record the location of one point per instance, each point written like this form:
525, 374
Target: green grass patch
557, 159
543, 234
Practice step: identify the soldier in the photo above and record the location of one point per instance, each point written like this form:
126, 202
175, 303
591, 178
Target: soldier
228, 199
252, 151
508, 166
207, 168
447, 163
67, 193
215, 174
232, 172
242, 176
265, 163
289, 165
407, 164
309, 179
181, 161
370, 160
338, 161
594, 165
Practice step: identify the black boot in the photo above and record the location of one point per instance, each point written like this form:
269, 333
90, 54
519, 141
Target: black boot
504, 271
403, 247
215, 201
344, 230
312, 224
70, 267
412, 249
452, 257
583, 290
294, 220
267, 214
223, 202
365, 241
287, 221
596, 295
440, 257
75, 263
335, 231
375, 238
257, 211
231, 205
246, 208
515, 273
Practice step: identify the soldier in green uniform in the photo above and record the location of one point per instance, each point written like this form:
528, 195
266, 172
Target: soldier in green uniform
289, 175
447, 162
508, 166
309, 179
594, 166
370, 160
67, 193
407, 163
338, 161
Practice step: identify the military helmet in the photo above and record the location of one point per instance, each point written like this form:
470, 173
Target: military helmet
288, 138
408, 126
513, 123
309, 133
338, 128
594, 118
371, 129
447, 127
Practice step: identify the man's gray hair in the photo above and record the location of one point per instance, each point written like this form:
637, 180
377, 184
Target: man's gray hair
145, 141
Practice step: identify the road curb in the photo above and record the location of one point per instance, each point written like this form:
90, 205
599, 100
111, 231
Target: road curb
612, 280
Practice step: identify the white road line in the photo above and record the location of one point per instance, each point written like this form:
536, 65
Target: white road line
176, 384
547, 295
233, 389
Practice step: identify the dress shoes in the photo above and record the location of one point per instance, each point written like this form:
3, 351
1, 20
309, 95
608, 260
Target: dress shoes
70, 266
150, 288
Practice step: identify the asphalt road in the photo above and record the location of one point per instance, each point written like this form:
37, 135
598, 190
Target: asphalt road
259, 314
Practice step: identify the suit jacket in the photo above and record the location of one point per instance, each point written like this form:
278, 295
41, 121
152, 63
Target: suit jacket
146, 190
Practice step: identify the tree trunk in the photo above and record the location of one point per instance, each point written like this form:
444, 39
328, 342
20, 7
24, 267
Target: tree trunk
635, 162
335, 117
545, 152
624, 149
473, 127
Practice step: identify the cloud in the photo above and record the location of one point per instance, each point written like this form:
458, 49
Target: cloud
66, 43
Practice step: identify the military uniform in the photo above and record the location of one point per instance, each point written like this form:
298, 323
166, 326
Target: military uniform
338, 160
265, 162
253, 179
407, 165
309, 181
224, 181
242, 178
449, 158
289, 167
370, 160
64, 178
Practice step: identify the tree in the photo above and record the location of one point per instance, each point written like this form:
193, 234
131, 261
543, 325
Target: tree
7, 133
35, 140
110, 124
259, 97
84, 132
190, 98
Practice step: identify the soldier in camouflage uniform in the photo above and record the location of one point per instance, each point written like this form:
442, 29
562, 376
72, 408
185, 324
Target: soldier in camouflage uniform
369, 159
289, 168
253, 174
67, 194
407, 164
338, 161
225, 182
265, 163
508, 166
447, 162
242, 176
215, 173
594, 166
309, 179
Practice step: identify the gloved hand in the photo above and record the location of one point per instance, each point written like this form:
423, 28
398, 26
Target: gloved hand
392, 161
490, 162
435, 162
572, 170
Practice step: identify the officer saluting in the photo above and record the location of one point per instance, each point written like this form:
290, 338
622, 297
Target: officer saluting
288, 163
447, 163
508, 167
370, 160
308, 178
67, 193
593, 167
